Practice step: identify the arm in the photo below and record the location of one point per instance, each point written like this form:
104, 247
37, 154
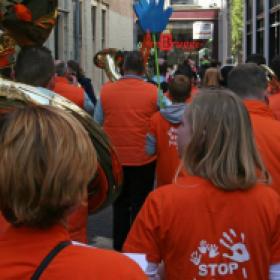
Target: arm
151, 144
98, 113
88, 105
144, 236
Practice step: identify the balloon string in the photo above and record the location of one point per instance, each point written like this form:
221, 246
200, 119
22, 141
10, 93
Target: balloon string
156, 59
161, 105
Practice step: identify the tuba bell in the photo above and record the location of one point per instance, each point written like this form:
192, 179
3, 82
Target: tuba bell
31, 28
110, 60
105, 187
273, 81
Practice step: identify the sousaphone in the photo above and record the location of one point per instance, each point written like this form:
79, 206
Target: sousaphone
29, 23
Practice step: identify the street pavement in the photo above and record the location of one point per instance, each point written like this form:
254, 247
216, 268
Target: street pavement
100, 229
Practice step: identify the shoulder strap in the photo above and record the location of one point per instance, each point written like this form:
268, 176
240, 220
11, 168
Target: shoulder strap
46, 261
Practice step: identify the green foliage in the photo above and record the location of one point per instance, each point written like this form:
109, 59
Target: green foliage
236, 12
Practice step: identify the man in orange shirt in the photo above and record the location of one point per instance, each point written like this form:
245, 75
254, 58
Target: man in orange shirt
162, 137
249, 82
124, 109
74, 93
35, 66
217, 222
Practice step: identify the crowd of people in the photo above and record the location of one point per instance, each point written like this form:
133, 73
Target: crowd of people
201, 172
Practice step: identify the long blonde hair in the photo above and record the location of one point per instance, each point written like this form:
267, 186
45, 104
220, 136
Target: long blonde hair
222, 147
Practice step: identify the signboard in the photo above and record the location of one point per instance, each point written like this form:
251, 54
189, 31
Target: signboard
202, 30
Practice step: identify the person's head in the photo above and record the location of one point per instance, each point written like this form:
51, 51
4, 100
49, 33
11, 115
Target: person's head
47, 160
34, 66
60, 68
217, 143
180, 89
133, 63
74, 68
212, 77
248, 81
225, 70
214, 63
275, 66
184, 69
256, 58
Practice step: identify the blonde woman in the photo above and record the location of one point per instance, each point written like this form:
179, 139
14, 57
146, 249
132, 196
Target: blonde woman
47, 160
219, 221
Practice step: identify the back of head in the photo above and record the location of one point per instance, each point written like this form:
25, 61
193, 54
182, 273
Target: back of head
184, 69
222, 147
256, 58
34, 66
225, 70
211, 77
180, 88
60, 68
47, 160
133, 63
275, 66
248, 81
74, 68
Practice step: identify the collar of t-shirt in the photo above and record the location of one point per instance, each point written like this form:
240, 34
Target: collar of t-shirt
132, 76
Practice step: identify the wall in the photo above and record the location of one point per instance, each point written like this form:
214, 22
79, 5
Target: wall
92, 36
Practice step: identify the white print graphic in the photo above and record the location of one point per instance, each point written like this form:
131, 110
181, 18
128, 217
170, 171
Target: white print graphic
232, 247
173, 135
195, 258
213, 251
239, 250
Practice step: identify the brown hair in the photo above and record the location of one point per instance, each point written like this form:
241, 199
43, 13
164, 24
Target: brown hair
222, 147
180, 88
212, 77
47, 160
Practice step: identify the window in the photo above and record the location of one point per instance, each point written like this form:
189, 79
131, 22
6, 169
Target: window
274, 3
183, 2
260, 7
249, 7
93, 22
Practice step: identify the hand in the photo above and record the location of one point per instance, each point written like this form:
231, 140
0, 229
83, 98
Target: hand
152, 16
195, 258
238, 249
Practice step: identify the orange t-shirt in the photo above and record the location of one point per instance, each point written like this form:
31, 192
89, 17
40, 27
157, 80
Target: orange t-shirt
128, 105
203, 232
23, 249
267, 134
69, 91
168, 160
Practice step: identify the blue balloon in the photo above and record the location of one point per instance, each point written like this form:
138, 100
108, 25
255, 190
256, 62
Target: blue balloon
151, 15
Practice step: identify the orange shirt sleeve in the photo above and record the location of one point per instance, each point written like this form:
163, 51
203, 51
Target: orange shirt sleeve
145, 232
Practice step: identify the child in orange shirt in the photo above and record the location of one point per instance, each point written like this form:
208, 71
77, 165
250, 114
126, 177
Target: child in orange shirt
219, 221
162, 137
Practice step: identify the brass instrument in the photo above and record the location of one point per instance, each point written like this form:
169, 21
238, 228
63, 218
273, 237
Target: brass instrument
110, 60
105, 187
29, 23
273, 81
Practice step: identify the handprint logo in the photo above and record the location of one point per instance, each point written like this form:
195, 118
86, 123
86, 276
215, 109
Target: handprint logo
238, 249
195, 258
203, 247
152, 16
213, 251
